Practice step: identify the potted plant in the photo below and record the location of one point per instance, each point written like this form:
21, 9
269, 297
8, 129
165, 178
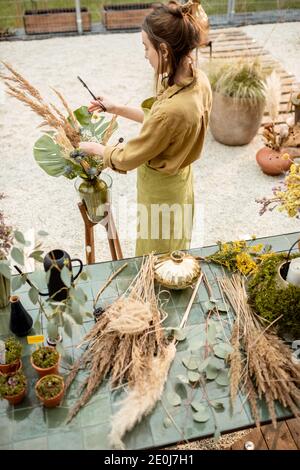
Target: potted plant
13, 387
10, 355
238, 100
45, 360
50, 390
5, 244
55, 20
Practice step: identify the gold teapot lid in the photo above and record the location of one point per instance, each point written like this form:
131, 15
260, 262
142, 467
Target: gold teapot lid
176, 270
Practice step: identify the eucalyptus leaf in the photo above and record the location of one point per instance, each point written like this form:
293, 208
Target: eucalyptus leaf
37, 255
203, 364
37, 325
223, 378
195, 343
173, 398
202, 416
19, 237
182, 378
16, 283
208, 305
66, 276
42, 233
193, 376
5, 269
211, 372
180, 389
76, 315
197, 405
179, 334
222, 350
17, 255
211, 332
190, 362
217, 405
222, 306
83, 276
79, 295
33, 295
216, 362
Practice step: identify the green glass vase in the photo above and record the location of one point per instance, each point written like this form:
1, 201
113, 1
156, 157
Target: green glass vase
96, 195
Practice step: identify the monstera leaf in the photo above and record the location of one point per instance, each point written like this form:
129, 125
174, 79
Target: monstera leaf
49, 156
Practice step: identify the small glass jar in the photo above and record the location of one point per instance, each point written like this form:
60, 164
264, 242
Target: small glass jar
96, 195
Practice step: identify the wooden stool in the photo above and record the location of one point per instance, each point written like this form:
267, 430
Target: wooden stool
112, 236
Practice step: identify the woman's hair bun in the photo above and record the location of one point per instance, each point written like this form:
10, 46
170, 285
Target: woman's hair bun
175, 9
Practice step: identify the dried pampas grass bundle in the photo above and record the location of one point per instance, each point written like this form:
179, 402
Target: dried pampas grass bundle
273, 95
142, 396
260, 362
124, 340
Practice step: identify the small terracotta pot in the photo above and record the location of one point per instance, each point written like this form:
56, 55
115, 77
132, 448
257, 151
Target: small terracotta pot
9, 369
50, 370
15, 399
271, 161
50, 402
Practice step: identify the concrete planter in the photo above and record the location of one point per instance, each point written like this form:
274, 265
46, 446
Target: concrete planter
57, 20
126, 16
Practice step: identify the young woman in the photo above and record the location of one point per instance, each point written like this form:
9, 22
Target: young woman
174, 124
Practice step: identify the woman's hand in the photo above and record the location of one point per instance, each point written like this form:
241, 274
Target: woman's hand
108, 105
92, 148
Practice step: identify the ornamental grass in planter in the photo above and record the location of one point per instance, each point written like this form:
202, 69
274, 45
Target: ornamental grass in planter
238, 100
10, 355
45, 360
50, 390
13, 387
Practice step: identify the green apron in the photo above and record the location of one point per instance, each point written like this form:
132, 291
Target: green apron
165, 210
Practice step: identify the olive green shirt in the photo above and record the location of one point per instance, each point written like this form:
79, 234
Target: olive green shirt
173, 130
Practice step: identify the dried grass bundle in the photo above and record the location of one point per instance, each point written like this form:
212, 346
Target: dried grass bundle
126, 355
273, 95
266, 369
142, 397
22, 90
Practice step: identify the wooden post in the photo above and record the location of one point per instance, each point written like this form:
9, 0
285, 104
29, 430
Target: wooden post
112, 236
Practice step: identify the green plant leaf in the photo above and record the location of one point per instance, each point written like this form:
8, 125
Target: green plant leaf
180, 389
19, 237
197, 405
202, 415
37, 255
203, 364
179, 334
182, 378
48, 156
223, 378
42, 233
66, 276
5, 269
222, 306
33, 295
83, 116
79, 295
76, 315
173, 398
17, 255
83, 276
217, 405
16, 283
195, 343
193, 376
211, 372
216, 363
222, 350
37, 325
190, 362
211, 332
208, 305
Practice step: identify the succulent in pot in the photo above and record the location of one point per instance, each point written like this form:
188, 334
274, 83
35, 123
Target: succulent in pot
50, 390
45, 360
13, 387
10, 355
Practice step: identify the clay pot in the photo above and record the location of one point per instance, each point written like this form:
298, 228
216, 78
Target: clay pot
50, 402
270, 161
8, 369
49, 370
15, 399
235, 121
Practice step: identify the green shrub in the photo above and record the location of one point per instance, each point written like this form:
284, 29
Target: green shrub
270, 300
50, 386
45, 357
11, 385
13, 350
